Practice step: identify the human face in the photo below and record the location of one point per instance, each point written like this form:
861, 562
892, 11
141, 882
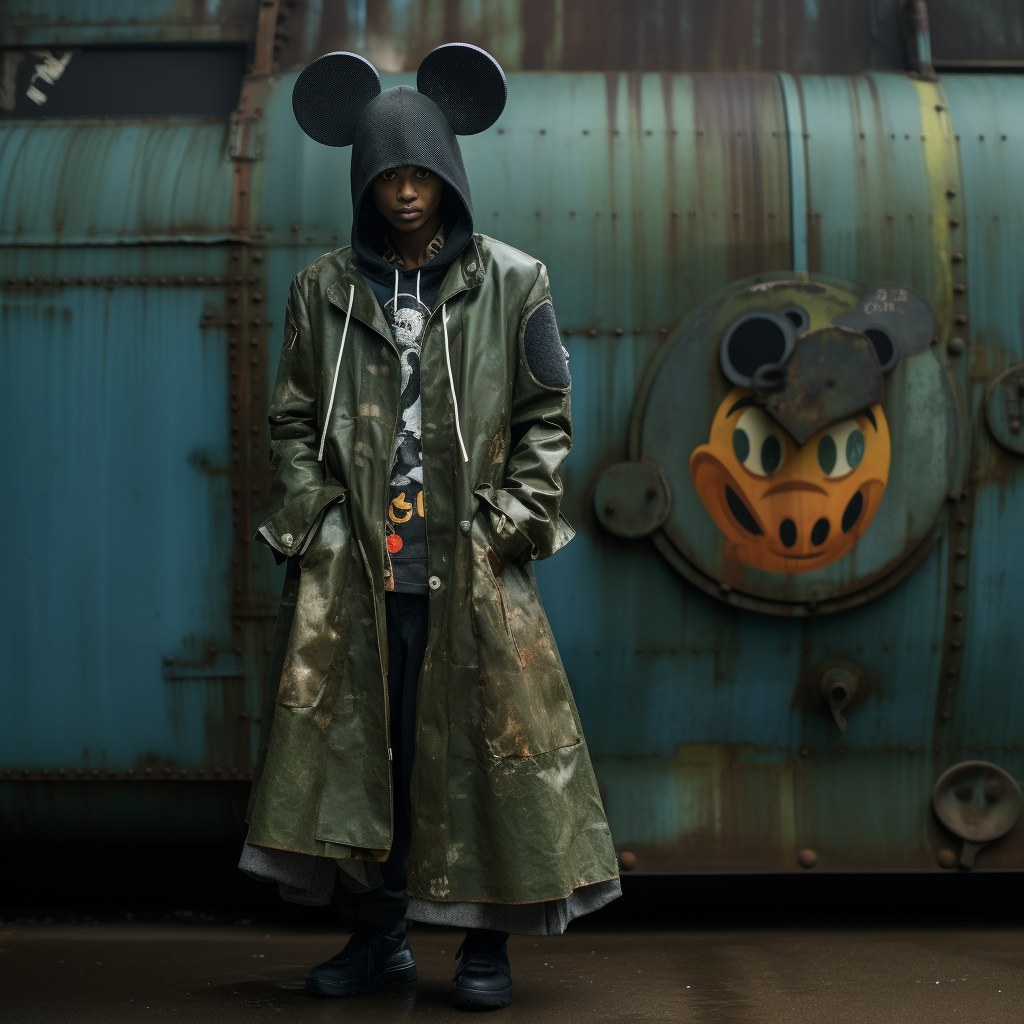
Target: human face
408, 197
786, 507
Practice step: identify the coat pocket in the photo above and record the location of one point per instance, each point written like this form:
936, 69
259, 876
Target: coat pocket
317, 629
526, 707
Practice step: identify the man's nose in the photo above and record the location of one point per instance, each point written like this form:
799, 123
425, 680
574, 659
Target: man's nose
406, 190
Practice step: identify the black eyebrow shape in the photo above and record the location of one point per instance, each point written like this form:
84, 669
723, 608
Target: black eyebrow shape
750, 400
871, 416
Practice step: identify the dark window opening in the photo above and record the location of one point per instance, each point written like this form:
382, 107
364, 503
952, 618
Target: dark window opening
199, 81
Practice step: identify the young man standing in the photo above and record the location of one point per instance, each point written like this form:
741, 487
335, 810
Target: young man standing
422, 753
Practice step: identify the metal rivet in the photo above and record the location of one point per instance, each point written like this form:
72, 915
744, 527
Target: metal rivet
956, 345
961, 318
627, 860
434, 583
957, 257
464, 526
592, 332
807, 858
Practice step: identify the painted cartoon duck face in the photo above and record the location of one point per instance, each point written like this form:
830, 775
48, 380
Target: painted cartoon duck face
785, 507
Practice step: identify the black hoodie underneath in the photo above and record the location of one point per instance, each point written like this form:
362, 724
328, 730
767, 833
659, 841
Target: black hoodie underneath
403, 127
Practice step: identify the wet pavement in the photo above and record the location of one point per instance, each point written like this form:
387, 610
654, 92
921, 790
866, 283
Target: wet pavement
137, 973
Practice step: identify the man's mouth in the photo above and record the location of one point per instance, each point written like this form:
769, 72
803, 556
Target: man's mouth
408, 212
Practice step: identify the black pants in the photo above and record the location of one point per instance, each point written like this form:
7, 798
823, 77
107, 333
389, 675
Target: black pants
383, 908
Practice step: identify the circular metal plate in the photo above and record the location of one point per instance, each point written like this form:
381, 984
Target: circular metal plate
977, 801
1004, 409
632, 499
786, 528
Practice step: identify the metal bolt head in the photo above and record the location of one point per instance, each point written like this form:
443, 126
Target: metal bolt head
946, 858
956, 345
807, 859
627, 860
465, 527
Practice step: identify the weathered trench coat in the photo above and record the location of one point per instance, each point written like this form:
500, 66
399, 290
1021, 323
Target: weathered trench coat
505, 802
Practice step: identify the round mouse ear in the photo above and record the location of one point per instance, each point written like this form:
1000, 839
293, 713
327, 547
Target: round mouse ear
755, 347
330, 94
467, 83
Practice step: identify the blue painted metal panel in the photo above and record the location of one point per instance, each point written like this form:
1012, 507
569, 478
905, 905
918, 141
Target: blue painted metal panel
122, 523
644, 195
114, 182
987, 113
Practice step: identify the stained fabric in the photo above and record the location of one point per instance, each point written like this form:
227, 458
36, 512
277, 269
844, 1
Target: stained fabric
543, 348
501, 767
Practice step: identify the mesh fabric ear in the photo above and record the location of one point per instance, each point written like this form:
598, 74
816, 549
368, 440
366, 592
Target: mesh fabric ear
331, 93
467, 83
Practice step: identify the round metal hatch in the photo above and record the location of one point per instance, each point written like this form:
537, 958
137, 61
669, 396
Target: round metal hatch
820, 483
977, 801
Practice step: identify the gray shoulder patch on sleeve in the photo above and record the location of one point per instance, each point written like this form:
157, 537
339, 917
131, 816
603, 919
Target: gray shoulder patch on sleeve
542, 346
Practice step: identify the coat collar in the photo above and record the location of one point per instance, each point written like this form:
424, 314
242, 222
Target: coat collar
465, 273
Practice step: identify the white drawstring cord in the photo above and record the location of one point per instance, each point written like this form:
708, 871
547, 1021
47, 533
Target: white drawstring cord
337, 368
451, 381
395, 310
418, 272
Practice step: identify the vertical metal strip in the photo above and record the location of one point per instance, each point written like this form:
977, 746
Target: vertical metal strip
795, 133
252, 613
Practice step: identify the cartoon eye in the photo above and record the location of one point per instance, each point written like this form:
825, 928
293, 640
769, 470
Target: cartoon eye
841, 449
758, 443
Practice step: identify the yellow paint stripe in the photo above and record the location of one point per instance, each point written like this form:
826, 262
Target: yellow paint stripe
942, 168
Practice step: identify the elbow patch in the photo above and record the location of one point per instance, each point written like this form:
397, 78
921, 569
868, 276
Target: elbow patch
547, 359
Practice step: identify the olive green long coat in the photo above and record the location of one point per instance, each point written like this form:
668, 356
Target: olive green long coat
505, 802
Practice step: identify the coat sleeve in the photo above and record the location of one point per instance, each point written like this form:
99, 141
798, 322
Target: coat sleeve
524, 511
301, 488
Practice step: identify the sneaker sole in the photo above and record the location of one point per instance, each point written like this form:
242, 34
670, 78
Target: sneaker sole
388, 979
494, 1000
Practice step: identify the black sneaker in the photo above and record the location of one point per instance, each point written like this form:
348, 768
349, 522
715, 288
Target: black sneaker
368, 962
484, 976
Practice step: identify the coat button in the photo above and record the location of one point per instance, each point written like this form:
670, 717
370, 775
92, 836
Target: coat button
471, 268
464, 527
433, 583
286, 538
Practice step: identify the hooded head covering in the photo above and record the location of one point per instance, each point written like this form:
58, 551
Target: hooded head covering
460, 90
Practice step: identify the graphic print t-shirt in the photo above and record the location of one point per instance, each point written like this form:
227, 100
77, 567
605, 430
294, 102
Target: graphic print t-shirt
405, 526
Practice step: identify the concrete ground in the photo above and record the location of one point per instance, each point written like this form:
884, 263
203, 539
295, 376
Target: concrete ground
166, 972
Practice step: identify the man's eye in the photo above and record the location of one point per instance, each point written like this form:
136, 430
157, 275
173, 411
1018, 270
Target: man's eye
388, 175
421, 173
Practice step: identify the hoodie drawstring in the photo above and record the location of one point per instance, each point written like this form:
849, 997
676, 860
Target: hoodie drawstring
396, 290
451, 381
337, 369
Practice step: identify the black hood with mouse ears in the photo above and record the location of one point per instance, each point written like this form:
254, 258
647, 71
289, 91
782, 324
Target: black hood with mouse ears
460, 90
402, 126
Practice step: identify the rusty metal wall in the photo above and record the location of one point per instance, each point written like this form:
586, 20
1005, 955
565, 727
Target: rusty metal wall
841, 36
145, 263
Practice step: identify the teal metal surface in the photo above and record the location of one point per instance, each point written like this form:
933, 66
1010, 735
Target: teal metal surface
797, 168
136, 629
93, 182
